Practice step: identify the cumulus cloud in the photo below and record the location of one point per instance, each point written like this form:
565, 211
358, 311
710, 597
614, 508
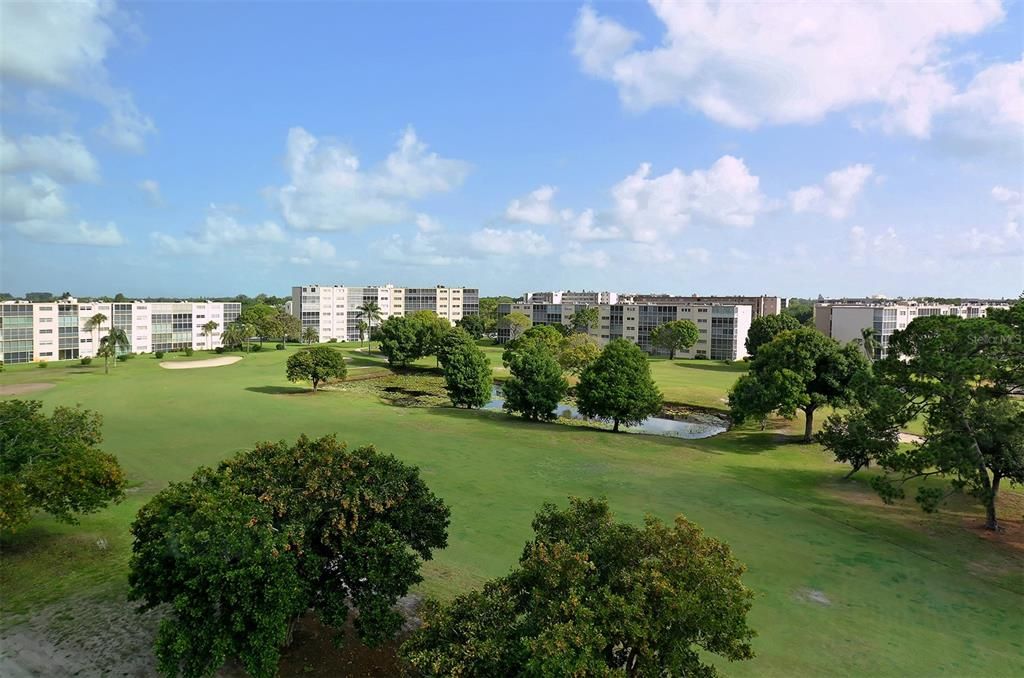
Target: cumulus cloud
881, 249
535, 208
576, 256
745, 65
220, 233
654, 206
328, 191
62, 157
836, 195
312, 249
509, 242
151, 187
423, 249
38, 209
66, 48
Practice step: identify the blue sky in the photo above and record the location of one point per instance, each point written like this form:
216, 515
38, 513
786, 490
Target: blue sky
218, 148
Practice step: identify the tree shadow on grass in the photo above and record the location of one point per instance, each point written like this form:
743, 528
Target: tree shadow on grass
731, 368
278, 390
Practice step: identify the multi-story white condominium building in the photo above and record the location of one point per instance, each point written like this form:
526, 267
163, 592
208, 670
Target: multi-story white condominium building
759, 306
845, 320
56, 330
570, 297
722, 328
333, 310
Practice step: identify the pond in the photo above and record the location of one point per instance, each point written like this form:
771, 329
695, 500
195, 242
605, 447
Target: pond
691, 426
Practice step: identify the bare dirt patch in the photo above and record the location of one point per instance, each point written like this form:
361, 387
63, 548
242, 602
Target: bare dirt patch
194, 364
813, 596
23, 389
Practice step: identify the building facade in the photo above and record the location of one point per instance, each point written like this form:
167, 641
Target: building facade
570, 297
722, 328
759, 306
845, 321
33, 332
333, 310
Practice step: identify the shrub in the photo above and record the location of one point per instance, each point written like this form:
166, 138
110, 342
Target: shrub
159, 354
279, 347
188, 351
219, 349
332, 341
86, 361
122, 358
1, 365
257, 348
42, 363
129, 356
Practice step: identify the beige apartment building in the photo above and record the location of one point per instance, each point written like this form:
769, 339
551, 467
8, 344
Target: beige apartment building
845, 321
333, 310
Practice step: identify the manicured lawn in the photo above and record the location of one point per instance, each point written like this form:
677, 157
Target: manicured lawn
845, 586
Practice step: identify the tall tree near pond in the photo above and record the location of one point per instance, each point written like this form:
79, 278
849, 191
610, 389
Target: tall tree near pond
316, 365
675, 335
800, 369
296, 527
536, 384
371, 313
767, 327
618, 386
467, 371
53, 464
576, 352
964, 377
595, 597
399, 340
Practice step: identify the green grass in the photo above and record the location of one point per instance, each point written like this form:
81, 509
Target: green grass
909, 594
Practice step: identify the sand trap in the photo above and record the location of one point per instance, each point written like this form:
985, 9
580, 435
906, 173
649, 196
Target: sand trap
910, 438
193, 364
22, 389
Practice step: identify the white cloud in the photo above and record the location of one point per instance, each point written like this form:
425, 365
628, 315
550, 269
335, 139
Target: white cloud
745, 64
221, 233
577, 256
835, 196
582, 227
328, 191
151, 187
40, 199
650, 207
535, 208
311, 250
884, 249
428, 224
65, 47
508, 242
62, 157
423, 249
82, 233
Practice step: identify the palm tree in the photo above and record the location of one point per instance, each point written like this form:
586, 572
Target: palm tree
869, 341
236, 334
363, 327
310, 335
370, 312
208, 330
93, 325
116, 340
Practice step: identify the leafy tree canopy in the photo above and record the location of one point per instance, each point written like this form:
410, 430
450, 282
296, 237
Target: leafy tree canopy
316, 365
467, 371
584, 319
536, 384
545, 336
595, 597
53, 463
576, 352
675, 335
800, 369
800, 309
242, 550
618, 386
399, 340
767, 327
473, 325
517, 323
430, 329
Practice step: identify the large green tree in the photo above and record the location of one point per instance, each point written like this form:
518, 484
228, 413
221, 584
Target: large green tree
310, 335
369, 311
240, 551
675, 335
545, 335
316, 365
208, 329
93, 325
618, 386
116, 340
517, 323
289, 327
467, 371
964, 378
576, 352
584, 319
595, 597
536, 384
236, 334
53, 463
800, 369
767, 327
489, 311
801, 309
399, 340
473, 324
263, 319
430, 329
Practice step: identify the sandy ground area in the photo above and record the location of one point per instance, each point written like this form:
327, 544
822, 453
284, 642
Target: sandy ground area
22, 389
193, 364
910, 438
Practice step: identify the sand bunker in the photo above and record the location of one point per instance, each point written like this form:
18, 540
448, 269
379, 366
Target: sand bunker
192, 364
910, 438
22, 389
